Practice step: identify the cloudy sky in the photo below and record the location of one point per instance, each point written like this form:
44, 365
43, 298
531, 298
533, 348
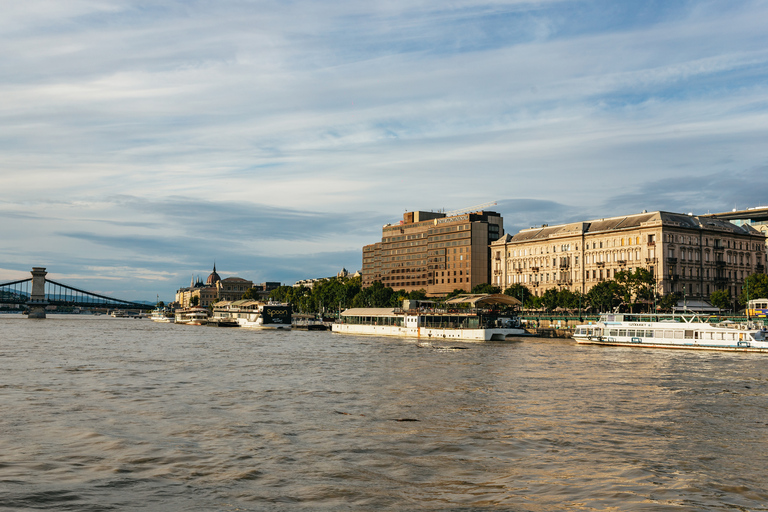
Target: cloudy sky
142, 141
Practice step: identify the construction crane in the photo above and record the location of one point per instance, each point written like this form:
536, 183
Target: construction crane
475, 208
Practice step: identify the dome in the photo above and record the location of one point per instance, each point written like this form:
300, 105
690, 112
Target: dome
213, 278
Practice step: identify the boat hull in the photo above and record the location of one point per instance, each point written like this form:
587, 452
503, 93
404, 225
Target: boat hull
677, 331
691, 346
496, 334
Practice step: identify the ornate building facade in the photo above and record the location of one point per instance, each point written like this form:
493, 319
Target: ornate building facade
212, 290
685, 253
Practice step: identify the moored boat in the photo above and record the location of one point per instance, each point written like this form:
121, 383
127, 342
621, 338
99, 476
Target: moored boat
192, 316
468, 317
682, 331
253, 314
163, 315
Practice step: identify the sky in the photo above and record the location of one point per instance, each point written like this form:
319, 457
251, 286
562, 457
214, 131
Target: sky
142, 142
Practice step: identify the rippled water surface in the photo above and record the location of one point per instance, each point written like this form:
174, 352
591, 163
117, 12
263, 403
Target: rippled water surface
118, 414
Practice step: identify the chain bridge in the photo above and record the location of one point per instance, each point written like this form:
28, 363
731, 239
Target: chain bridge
37, 292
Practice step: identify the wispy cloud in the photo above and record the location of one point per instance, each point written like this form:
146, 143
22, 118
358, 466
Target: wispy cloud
135, 133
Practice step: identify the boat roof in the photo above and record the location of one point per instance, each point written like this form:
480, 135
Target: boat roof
369, 312
483, 299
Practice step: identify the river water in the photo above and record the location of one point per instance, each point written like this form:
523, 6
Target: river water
105, 414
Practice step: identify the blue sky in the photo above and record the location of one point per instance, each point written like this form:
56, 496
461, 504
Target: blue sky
141, 141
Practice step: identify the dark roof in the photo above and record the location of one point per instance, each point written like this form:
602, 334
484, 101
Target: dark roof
631, 222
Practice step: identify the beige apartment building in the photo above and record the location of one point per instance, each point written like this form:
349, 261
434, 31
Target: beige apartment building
433, 251
686, 254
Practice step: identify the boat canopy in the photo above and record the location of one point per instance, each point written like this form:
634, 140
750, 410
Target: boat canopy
369, 312
484, 299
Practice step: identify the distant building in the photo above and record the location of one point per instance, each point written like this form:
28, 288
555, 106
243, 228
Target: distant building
309, 283
689, 254
433, 251
212, 290
232, 288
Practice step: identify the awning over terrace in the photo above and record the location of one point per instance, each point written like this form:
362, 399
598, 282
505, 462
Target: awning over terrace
369, 312
484, 299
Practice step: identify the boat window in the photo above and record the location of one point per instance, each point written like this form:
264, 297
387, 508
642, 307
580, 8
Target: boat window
614, 332
649, 334
678, 335
688, 335
669, 334
622, 332
631, 333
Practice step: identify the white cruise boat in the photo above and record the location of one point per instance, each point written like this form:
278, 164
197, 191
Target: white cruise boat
192, 316
684, 331
479, 320
163, 315
253, 314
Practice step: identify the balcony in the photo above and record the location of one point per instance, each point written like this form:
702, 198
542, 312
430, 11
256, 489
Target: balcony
622, 262
651, 243
600, 264
720, 263
534, 269
759, 268
565, 281
650, 260
672, 260
674, 277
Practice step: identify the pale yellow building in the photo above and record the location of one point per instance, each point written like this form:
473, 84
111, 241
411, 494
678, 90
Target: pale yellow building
686, 254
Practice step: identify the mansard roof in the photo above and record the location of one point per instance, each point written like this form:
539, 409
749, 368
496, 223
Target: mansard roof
644, 219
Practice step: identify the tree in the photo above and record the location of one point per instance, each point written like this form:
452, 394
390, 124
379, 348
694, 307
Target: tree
636, 285
755, 287
550, 299
418, 294
194, 301
669, 301
604, 296
486, 288
518, 291
721, 299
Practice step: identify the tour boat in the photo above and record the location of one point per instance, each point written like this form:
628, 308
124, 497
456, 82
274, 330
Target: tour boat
478, 320
163, 315
253, 314
684, 331
192, 316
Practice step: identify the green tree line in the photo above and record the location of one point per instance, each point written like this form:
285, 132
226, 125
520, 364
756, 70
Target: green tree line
630, 290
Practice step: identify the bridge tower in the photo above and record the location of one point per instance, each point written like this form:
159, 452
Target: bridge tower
37, 300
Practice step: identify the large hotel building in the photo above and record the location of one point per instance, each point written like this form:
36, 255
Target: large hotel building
434, 252
695, 255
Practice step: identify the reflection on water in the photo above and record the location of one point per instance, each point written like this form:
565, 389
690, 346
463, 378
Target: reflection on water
118, 414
